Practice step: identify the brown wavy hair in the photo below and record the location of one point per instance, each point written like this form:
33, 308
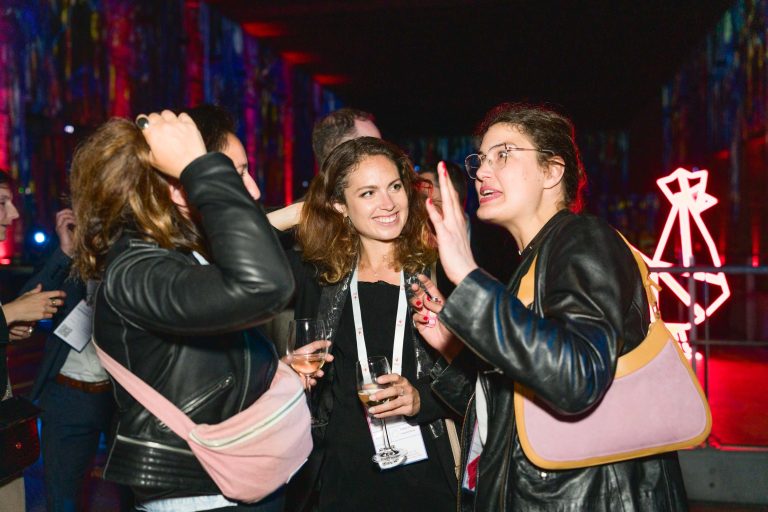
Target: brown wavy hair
332, 243
115, 188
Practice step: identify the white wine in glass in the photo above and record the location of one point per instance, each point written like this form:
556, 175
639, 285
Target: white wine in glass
388, 456
307, 349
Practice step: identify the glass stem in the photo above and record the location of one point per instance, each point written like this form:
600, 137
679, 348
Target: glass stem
308, 393
387, 446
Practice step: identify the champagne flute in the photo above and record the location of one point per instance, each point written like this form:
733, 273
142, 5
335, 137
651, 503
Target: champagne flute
367, 385
307, 348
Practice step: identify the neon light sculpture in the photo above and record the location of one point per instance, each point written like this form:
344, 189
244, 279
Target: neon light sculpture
688, 200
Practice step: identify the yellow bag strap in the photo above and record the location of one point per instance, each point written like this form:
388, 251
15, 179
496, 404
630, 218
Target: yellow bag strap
526, 290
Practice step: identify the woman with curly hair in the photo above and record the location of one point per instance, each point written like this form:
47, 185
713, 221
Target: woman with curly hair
364, 224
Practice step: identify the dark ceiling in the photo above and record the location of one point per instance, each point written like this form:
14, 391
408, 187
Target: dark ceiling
434, 67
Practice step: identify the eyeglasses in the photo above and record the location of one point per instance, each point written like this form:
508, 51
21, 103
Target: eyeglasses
496, 158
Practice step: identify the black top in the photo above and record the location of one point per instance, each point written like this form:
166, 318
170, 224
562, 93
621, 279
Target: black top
350, 479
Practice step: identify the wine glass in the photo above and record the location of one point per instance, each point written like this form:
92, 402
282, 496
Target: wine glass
367, 385
306, 349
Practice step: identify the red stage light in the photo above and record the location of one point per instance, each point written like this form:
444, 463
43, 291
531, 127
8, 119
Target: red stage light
327, 80
299, 58
265, 29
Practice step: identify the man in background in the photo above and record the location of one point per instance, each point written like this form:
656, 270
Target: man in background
71, 386
340, 126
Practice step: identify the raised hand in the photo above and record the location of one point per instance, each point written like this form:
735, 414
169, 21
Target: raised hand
451, 230
427, 302
65, 225
174, 141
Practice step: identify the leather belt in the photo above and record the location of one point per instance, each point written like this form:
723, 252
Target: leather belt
87, 387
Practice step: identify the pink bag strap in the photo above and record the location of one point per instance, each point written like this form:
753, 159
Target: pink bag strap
154, 402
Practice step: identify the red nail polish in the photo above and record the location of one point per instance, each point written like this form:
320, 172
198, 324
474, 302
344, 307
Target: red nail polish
418, 303
426, 318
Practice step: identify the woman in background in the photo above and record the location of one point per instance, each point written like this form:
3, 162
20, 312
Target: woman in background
17, 323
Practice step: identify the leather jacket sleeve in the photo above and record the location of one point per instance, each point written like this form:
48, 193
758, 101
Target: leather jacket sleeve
454, 383
566, 348
248, 281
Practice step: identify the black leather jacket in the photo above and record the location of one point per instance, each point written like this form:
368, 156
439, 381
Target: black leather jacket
589, 308
184, 328
327, 303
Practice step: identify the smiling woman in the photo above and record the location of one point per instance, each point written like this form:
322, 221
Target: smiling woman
362, 206
364, 233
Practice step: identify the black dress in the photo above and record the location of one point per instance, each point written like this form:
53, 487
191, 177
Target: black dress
350, 480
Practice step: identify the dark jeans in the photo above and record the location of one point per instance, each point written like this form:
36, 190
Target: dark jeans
72, 421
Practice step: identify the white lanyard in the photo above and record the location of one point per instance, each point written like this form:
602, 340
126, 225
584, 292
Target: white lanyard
397, 345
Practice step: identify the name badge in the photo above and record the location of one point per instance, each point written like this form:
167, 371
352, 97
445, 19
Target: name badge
77, 327
402, 435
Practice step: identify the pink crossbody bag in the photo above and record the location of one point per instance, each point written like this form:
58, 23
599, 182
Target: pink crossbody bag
249, 455
654, 405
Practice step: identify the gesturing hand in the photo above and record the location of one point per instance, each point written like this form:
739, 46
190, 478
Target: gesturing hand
65, 224
174, 141
34, 305
451, 229
404, 399
427, 302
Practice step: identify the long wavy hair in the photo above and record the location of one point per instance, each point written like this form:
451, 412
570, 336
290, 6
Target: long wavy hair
332, 243
114, 188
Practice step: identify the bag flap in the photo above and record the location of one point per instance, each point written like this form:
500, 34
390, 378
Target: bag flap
17, 410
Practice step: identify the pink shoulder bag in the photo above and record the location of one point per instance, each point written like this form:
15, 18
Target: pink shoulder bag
249, 455
654, 405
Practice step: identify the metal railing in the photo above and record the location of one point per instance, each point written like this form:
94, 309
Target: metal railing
699, 336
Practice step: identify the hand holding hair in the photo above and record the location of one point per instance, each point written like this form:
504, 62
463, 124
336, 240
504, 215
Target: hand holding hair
174, 141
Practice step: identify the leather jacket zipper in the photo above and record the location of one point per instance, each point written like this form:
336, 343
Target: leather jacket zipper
196, 402
246, 372
461, 445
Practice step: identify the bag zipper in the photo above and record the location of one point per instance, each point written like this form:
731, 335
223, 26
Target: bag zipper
254, 430
202, 398
151, 444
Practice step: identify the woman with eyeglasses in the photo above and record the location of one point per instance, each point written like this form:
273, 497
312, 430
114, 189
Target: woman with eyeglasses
364, 235
589, 307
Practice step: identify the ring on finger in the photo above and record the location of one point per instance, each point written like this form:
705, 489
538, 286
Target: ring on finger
142, 122
30, 329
